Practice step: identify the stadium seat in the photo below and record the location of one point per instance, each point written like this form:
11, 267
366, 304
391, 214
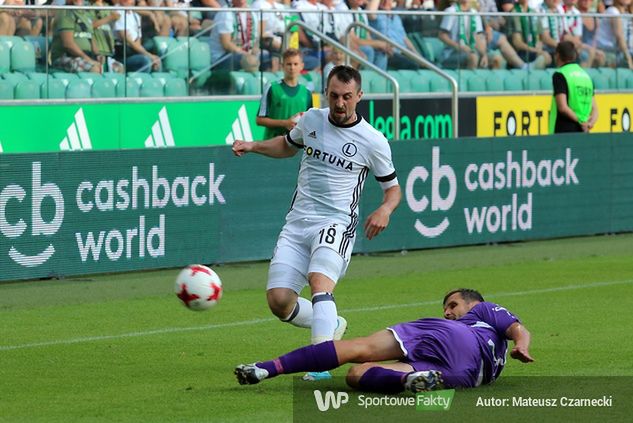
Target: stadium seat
152, 88
160, 45
22, 57
53, 88
65, 77
6, 90
140, 77
40, 44
546, 82
494, 83
533, 80
513, 82
128, 88
78, 88
10, 40
238, 81
89, 77
38, 77
600, 80
199, 61
475, 83
611, 76
5, 58
176, 87
103, 88
177, 59
435, 46
161, 76
253, 85
113, 77
14, 77
407, 78
624, 78
27, 90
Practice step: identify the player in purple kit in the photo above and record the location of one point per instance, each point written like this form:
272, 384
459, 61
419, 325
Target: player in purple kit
466, 350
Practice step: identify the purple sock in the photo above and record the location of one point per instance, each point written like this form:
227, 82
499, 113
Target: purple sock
313, 358
386, 381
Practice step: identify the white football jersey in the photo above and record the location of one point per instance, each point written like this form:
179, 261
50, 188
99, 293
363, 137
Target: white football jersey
335, 163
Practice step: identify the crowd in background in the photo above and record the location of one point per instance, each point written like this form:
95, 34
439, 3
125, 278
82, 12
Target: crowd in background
97, 41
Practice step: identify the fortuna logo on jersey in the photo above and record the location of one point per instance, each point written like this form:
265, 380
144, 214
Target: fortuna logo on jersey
329, 158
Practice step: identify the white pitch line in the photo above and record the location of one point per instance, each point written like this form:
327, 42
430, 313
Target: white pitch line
258, 321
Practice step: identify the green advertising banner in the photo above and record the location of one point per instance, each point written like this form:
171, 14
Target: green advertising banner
87, 212
114, 126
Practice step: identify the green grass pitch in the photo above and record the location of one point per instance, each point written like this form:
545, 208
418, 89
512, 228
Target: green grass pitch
121, 348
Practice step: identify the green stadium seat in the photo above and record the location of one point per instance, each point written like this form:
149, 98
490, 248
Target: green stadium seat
10, 40
406, 79
152, 88
5, 58
103, 88
239, 80
140, 77
65, 77
624, 78
513, 82
494, 82
433, 47
40, 47
176, 87
53, 88
128, 88
177, 59
6, 90
23, 57
114, 77
160, 45
600, 79
38, 77
533, 80
475, 83
316, 80
253, 85
78, 88
15, 77
546, 82
611, 76
27, 90
89, 77
199, 62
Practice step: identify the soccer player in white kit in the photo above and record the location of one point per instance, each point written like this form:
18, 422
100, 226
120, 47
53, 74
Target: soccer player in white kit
315, 245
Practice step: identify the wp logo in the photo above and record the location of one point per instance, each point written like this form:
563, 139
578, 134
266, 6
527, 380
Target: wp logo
330, 399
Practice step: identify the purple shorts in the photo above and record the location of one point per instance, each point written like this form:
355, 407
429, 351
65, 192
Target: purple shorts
444, 345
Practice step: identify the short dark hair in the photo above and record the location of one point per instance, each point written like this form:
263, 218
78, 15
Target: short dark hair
345, 74
567, 52
469, 295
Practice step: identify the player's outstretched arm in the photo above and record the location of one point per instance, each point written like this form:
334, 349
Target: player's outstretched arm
275, 147
379, 219
521, 337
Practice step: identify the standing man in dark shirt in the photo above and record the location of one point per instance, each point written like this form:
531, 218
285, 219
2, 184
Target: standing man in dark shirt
573, 103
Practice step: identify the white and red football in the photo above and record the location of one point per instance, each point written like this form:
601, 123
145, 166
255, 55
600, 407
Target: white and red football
198, 287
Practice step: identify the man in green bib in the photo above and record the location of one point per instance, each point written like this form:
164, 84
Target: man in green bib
573, 104
285, 100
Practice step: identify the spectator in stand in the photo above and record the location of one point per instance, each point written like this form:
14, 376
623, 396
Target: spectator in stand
525, 31
73, 48
274, 26
375, 51
552, 25
309, 12
590, 24
464, 38
29, 22
209, 16
104, 37
612, 35
129, 44
391, 26
573, 31
234, 40
496, 42
8, 18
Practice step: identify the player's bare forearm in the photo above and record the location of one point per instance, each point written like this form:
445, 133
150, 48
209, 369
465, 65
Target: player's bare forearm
521, 337
274, 123
276, 147
379, 219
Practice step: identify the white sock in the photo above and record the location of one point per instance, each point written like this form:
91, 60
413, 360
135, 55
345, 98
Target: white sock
301, 315
324, 317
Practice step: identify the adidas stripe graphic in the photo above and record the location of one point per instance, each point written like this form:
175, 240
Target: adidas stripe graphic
241, 128
161, 135
77, 137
